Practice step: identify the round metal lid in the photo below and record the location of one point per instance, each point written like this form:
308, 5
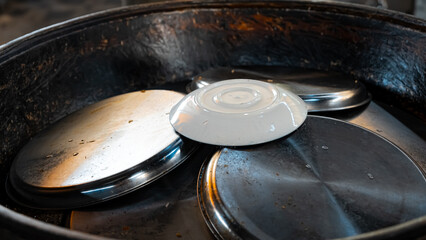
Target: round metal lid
100, 152
321, 91
329, 179
238, 112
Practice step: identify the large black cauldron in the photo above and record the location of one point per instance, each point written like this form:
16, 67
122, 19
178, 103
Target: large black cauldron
50, 73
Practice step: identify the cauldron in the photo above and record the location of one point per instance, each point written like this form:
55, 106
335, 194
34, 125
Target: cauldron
52, 72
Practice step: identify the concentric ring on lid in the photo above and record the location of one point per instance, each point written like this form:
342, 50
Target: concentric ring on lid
238, 112
329, 179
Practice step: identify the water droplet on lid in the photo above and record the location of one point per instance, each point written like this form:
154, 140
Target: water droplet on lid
308, 166
324, 147
370, 176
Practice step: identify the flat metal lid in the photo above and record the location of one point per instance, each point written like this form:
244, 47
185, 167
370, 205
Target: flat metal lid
329, 179
321, 91
99, 152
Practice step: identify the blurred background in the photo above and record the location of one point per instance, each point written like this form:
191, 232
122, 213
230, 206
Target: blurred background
19, 17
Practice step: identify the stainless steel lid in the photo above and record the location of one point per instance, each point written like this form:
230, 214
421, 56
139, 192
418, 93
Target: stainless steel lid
328, 179
321, 91
100, 152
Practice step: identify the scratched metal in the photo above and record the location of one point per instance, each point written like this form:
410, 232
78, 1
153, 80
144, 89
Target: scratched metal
329, 179
100, 152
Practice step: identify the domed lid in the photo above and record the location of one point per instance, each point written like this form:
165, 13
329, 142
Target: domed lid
100, 152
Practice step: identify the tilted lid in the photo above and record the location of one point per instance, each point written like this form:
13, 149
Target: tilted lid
99, 152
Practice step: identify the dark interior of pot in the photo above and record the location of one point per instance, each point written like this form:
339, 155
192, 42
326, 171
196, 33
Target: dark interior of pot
54, 72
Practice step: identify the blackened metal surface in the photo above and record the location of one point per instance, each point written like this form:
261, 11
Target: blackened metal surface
327, 180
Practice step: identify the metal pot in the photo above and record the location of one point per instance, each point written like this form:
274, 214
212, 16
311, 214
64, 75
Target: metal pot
54, 71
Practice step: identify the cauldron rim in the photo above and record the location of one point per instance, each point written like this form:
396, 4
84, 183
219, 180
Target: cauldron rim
32, 39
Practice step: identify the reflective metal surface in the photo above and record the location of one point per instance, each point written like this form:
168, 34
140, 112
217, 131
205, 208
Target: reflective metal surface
322, 91
329, 179
166, 209
378, 120
100, 152
92, 57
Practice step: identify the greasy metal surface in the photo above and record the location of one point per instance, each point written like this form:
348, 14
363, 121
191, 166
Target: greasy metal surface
376, 119
100, 152
167, 209
321, 91
47, 75
328, 179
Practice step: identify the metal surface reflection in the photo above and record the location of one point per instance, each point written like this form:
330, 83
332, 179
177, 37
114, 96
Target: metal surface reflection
321, 91
329, 179
102, 151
